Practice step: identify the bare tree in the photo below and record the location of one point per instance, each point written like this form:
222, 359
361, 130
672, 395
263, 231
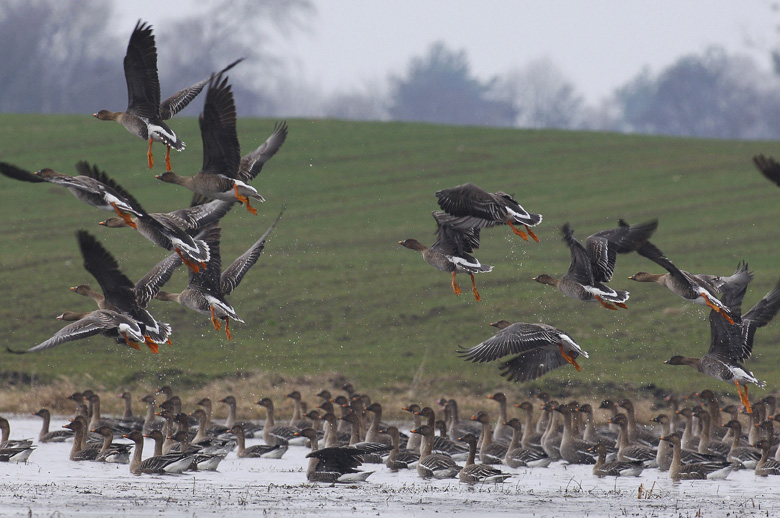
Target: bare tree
198, 45
439, 87
54, 56
542, 96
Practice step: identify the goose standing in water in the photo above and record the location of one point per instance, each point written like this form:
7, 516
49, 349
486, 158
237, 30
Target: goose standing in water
593, 265
206, 290
145, 114
450, 252
472, 207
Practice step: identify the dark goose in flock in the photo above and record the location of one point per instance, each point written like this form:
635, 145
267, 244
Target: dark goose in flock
730, 345
593, 265
219, 175
450, 252
476, 208
540, 348
145, 114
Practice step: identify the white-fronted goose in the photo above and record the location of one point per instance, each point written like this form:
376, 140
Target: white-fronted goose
335, 464
101, 321
218, 176
593, 265
450, 252
473, 207
433, 465
540, 348
473, 473
517, 455
730, 345
54, 435
456, 427
700, 289
145, 113
206, 290
119, 292
91, 186
694, 471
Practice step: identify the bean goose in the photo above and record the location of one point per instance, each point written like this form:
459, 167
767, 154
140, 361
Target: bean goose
473, 207
450, 252
593, 265
145, 114
730, 345
218, 177
540, 348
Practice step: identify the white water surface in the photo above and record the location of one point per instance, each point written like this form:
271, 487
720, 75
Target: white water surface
49, 484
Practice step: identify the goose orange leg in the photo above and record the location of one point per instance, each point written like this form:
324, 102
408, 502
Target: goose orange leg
149, 155
531, 233
168, 159
569, 358
131, 343
192, 265
474, 288
621, 305
214, 320
243, 199
151, 345
606, 304
518, 231
744, 397
717, 309
455, 286
227, 329
126, 217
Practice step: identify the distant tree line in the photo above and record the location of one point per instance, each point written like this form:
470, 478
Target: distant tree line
59, 58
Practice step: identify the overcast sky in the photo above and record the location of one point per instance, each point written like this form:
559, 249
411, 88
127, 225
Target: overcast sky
598, 44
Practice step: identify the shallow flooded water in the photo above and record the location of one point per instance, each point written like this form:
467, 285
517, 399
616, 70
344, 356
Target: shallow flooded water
49, 484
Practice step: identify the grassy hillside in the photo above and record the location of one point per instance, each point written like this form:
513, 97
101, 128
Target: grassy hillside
334, 292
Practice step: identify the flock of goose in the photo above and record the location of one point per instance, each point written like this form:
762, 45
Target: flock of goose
694, 441
563, 431
191, 234
540, 348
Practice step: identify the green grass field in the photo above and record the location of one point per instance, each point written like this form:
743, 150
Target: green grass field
334, 292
